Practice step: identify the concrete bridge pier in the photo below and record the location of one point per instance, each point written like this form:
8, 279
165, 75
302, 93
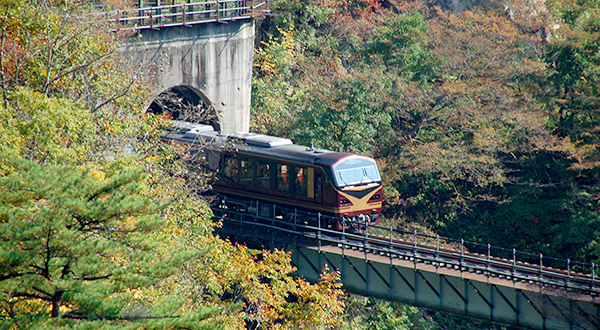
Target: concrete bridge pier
213, 60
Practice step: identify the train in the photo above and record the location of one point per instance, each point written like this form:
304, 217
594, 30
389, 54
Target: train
344, 187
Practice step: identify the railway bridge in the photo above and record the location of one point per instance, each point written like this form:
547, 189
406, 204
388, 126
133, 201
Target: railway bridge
501, 285
201, 51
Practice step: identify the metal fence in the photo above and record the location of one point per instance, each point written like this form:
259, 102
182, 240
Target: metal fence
162, 16
464, 255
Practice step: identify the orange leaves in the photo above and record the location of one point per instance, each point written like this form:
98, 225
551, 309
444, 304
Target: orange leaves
475, 44
12, 52
365, 8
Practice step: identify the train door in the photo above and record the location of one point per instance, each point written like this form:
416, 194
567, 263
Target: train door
318, 184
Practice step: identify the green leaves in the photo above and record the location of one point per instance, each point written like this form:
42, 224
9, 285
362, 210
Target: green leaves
64, 232
574, 72
88, 241
475, 117
400, 44
46, 129
347, 116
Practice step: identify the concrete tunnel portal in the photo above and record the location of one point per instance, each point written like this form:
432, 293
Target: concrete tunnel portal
186, 103
211, 63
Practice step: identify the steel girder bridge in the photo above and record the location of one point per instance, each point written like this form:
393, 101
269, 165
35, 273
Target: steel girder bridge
501, 285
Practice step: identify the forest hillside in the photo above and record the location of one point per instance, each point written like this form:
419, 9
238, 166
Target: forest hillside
101, 225
484, 121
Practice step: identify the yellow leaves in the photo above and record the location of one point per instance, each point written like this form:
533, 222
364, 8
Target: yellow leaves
318, 305
261, 282
277, 53
118, 259
20, 306
288, 41
108, 126
97, 175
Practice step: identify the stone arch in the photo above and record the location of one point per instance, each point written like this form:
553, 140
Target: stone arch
186, 103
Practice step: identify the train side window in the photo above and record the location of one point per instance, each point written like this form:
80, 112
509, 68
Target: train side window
213, 158
247, 171
263, 174
301, 179
231, 168
283, 183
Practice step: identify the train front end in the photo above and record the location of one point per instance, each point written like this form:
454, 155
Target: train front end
358, 189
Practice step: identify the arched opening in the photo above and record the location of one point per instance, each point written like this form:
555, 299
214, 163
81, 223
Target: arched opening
187, 104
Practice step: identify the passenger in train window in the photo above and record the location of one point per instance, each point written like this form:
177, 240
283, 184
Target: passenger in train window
231, 168
282, 178
263, 174
300, 184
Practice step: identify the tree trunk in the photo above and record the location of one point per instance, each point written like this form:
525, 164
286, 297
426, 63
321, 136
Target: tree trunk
56, 301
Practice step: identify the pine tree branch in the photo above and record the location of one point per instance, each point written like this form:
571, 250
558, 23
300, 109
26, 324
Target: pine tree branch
93, 278
9, 276
31, 296
76, 316
43, 292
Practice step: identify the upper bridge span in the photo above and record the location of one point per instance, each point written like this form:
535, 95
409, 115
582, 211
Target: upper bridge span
199, 50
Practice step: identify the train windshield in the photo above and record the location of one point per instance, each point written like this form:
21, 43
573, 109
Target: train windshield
356, 171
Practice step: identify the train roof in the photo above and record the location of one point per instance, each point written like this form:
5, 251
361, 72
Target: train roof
253, 143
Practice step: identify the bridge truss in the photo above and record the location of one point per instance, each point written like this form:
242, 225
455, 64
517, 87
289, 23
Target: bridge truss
426, 271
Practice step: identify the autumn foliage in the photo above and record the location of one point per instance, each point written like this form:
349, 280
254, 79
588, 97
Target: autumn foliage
100, 223
483, 120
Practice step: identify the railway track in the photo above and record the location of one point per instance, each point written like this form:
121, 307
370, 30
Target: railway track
421, 249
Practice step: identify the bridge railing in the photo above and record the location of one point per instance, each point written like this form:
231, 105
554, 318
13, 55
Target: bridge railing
538, 260
421, 248
189, 14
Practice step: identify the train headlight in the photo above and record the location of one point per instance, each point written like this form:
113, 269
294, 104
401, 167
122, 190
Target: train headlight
375, 198
345, 202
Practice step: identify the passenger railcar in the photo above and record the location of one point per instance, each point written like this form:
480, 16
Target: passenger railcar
269, 169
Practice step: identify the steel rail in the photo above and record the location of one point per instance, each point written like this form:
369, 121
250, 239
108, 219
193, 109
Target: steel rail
312, 227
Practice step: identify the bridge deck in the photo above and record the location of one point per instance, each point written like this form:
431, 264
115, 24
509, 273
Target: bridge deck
514, 293
451, 270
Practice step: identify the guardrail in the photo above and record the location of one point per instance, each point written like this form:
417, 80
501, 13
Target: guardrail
420, 248
189, 14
